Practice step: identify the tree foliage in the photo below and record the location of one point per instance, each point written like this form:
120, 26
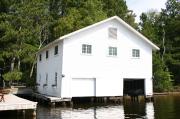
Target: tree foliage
162, 77
23, 28
164, 28
14, 75
27, 25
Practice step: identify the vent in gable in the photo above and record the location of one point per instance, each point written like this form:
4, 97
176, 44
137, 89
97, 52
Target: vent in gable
113, 33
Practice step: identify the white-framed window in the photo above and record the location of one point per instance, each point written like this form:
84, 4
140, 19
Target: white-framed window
47, 54
112, 32
136, 53
40, 57
86, 49
112, 51
56, 50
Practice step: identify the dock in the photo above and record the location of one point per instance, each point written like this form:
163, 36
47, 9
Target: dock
52, 100
13, 102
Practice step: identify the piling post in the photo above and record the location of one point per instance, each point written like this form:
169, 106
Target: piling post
23, 113
149, 99
52, 104
92, 99
121, 99
34, 113
105, 99
71, 103
64, 104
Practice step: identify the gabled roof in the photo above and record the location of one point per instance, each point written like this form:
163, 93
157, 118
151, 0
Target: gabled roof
101, 22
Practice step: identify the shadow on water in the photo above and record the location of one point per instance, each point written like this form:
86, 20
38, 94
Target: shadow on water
14, 114
163, 107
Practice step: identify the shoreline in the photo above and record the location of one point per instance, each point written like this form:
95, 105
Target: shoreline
166, 93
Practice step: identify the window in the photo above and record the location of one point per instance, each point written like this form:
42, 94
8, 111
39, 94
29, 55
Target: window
112, 51
46, 79
46, 83
135, 53
86, 49
56, 50
39, 81
40, 57
56, 78
55, 83
112, 33
47, 54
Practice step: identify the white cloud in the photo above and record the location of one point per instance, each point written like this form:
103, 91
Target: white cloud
139, 6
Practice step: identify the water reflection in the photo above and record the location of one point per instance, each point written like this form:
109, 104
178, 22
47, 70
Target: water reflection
150, 110
163, 107
134, 110
110, 112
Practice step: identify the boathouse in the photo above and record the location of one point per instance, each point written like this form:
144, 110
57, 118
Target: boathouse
108, 58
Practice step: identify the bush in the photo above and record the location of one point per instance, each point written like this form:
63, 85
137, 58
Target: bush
162, 78
162, 81
12, 76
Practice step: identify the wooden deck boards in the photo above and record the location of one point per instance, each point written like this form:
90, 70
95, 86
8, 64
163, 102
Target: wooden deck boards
13, 102
51, 98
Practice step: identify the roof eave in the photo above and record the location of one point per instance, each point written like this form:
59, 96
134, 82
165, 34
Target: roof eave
48, 45
154, 47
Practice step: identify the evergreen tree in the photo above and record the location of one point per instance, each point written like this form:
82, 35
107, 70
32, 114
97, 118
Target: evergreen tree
23, 30
28, 25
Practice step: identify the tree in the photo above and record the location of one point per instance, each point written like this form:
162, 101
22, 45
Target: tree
12, 76
78, 14
172, 29
24, 29
119, 8
151, 27
162, 77
28, 25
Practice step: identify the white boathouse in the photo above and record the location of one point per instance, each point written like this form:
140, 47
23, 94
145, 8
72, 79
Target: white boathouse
108, 58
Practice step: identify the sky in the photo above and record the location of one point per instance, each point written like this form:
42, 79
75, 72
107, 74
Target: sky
139, 6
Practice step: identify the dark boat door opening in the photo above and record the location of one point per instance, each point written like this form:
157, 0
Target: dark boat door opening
134, 87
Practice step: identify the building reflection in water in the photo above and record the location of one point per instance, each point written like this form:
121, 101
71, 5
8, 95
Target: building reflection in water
105, 112
150, 110
110, 112
137, 110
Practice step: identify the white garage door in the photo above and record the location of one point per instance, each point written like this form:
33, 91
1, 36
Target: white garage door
83, 87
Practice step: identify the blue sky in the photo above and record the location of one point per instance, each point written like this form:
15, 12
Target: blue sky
139, 6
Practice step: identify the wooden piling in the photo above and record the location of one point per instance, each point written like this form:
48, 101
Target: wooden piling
34, 113
71, 103
64, 104
24, 113
149, 99
92, 99
105, 99
52, 104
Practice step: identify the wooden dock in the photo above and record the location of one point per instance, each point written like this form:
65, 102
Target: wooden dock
13, 102
52, 100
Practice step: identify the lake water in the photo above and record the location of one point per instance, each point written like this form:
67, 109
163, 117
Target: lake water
163, 107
